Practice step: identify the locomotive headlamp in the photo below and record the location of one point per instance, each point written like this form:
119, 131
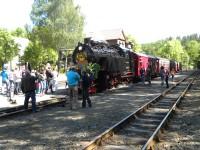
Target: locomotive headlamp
80, 48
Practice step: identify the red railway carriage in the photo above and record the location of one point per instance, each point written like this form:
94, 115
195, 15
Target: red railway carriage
174, 65
141, 61
154, 63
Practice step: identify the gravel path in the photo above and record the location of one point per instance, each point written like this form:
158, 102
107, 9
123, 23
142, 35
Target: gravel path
184, 129
61, 128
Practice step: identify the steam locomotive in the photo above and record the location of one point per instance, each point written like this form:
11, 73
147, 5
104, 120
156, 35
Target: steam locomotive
117, 64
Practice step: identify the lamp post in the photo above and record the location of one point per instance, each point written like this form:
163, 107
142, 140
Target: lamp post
61, 57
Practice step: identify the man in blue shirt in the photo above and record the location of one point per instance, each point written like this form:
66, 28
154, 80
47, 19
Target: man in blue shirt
73, 79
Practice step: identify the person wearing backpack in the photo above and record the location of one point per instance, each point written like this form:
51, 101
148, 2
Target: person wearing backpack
73, 79
85, 86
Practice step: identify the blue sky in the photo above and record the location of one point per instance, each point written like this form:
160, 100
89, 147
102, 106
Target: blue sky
146, 20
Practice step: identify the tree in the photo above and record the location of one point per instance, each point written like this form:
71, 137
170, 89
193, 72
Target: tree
41, 55
193, 49
172, 49
60, 21
169, 48
135, 45
185, 49
58, 24
153, 48
8, 47
36, 54
191, 37
19, 32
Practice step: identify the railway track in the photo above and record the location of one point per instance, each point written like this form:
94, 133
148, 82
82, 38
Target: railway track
142, 128
40, 105
54, 101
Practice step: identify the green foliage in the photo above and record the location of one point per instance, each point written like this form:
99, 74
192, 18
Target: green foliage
153, 48
94, 68
37, 53
38, 56
8, 47
191, 37
185, 49
42, 34
19, 32
171, 50
135, 45
193, 49
67, 24
59, 22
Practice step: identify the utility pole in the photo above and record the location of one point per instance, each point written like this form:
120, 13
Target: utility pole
61, 58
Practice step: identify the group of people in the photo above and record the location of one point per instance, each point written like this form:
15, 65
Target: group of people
11, 79
21, 82
146, 76
31, 82
28, 81
75, 80
47, 80
164, 74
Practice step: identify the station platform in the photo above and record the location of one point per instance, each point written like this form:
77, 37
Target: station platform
61, 91
5, 103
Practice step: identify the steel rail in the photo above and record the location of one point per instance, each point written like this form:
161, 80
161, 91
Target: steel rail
112, 130
155, 136
20, 109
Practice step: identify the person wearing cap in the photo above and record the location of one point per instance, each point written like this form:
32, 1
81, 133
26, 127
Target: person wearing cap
28, 87
73, 79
